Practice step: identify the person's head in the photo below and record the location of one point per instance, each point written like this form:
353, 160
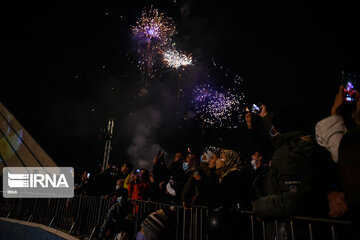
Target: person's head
178, 157
144, 175
208, 153
192, 159
120, 182
126, 168
160, 225
214, 157
191, 162
228, 161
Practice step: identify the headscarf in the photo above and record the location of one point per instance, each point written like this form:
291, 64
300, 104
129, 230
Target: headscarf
232, 163
208, 152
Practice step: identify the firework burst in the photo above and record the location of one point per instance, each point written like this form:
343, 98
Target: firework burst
222, 108
154, 26
152, 33
175, 59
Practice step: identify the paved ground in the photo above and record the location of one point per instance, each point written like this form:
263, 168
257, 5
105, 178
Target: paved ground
15, 231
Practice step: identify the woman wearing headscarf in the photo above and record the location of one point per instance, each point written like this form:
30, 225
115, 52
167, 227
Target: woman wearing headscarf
232, 192
233, 188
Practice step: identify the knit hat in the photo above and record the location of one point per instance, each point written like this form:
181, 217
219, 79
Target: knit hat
159, 225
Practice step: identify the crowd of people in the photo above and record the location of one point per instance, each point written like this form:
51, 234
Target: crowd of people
312, 172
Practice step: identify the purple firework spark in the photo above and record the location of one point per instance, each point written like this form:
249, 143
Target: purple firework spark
219, 108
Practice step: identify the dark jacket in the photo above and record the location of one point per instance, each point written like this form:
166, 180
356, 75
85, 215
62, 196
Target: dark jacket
234, 189
201, 192
290, 178
349, 171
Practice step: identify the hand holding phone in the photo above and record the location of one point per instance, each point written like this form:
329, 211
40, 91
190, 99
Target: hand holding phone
255, 109
349, 83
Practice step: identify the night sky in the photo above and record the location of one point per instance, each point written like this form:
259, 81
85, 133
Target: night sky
69, 66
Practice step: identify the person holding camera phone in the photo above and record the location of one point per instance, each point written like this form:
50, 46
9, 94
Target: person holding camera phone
342, 140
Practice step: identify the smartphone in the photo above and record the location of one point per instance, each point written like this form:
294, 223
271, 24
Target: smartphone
349, 82
88, 175
255, 109
137, 170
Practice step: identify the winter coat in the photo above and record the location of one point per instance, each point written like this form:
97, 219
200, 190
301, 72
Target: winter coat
290, 178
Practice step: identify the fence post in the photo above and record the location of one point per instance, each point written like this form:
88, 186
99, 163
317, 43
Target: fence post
12, 207
310, 231
292, 230
184, 224
276, 229
72, 226
51, 221
207, 215
177, 223
195, 223
93, 231
201, 223
252, 227
333, 235
263, 230
99, 214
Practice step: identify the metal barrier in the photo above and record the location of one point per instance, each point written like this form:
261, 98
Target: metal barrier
299, 228
82, 215
196, 224
190, 223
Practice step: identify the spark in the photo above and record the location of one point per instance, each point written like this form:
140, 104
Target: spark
174, 59
220, 107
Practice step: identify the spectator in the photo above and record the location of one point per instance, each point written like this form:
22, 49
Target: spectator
342, 141
290, 178
176, 180
349, 168
139, 186
118, 219
159, 225
257, 176
190, 165
125, 171
261, 131
233, 186
160, 170
200, 188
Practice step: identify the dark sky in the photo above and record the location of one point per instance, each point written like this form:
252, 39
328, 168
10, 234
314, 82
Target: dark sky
68, 65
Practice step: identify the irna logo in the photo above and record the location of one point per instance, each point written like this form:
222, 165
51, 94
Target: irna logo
36, 180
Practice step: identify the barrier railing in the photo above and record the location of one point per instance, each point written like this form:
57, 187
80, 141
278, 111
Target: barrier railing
190, 223
83, 215
196, 223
